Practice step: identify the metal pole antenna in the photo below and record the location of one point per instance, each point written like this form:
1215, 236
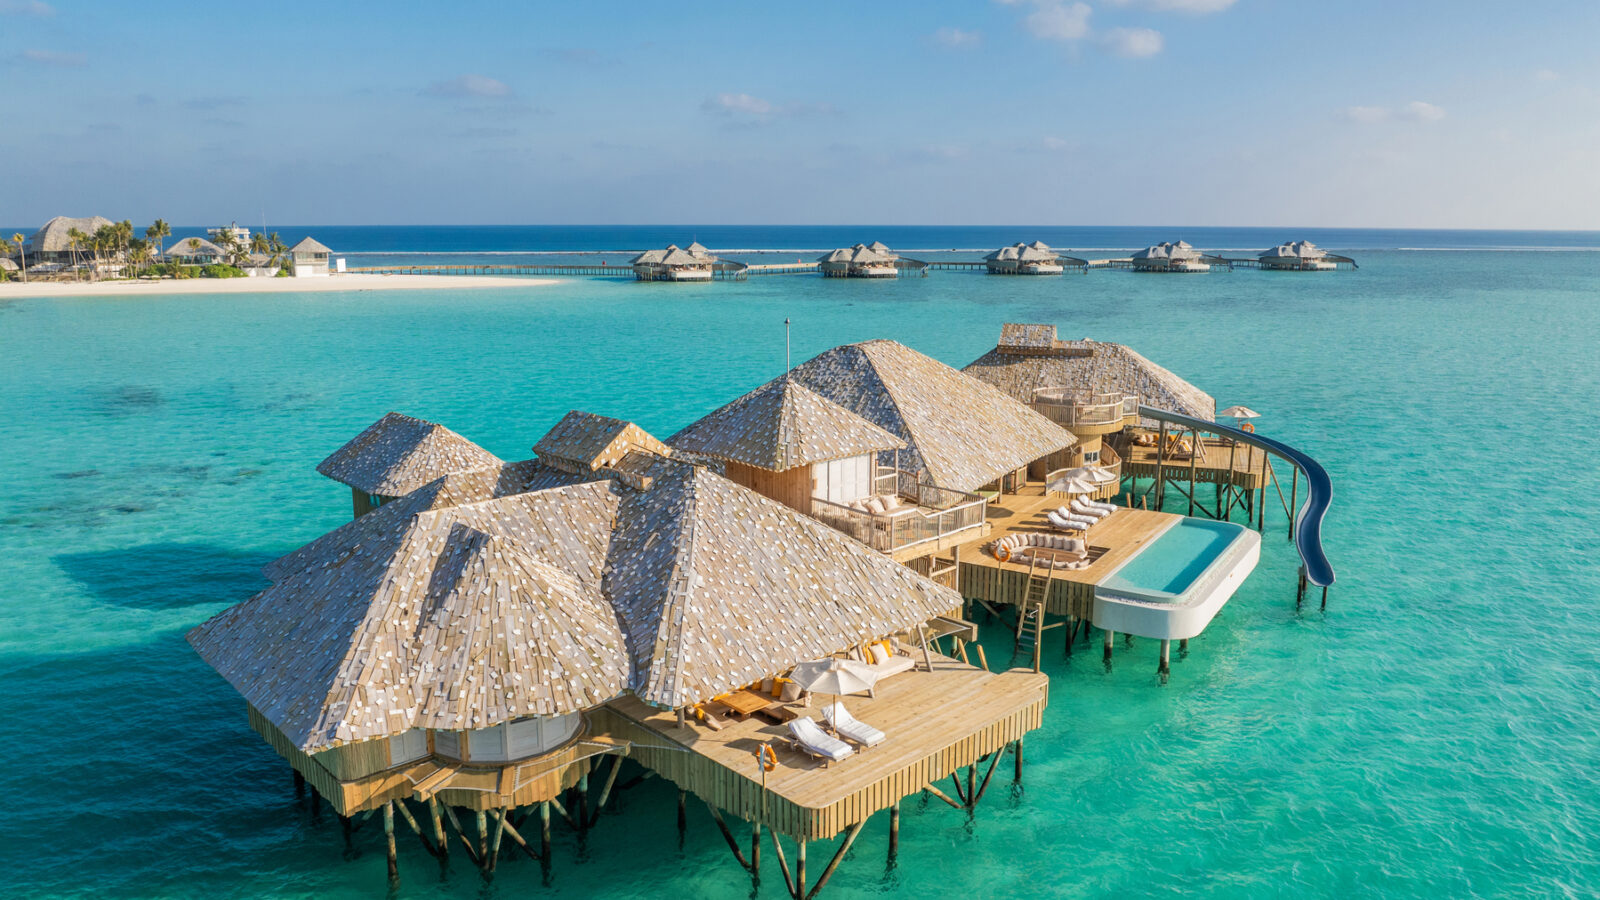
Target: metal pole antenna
786, 344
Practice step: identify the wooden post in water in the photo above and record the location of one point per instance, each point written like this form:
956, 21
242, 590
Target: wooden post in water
1017, 779
483, 836
894, 831
499, 832
800, 870
1166, 660
438, 827
388, 837
583, 803
683, 815
1110, 636
544, 833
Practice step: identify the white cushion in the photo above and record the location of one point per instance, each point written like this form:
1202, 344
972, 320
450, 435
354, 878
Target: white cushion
879, 655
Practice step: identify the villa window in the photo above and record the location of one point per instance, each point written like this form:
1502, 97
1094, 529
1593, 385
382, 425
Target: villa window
408, 747
843, 480
1091, 456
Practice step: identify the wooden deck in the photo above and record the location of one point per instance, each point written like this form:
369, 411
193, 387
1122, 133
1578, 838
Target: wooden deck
936, 722
1111, 542
1249, 465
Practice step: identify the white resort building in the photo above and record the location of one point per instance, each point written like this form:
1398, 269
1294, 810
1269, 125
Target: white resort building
1029, 259
1171, 257
309, 258
1301, 256
874, 260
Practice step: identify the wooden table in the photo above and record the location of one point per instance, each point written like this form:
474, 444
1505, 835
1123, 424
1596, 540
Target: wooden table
746, 702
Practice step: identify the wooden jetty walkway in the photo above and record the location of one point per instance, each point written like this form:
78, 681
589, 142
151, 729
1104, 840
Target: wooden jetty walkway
499, 269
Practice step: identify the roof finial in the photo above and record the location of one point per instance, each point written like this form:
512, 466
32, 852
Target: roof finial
786, 365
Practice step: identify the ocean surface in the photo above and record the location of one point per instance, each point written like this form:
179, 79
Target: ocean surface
1434, 733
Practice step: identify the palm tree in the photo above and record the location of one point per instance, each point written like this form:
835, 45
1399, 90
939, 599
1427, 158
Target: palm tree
23, 253
75, 240
156, 232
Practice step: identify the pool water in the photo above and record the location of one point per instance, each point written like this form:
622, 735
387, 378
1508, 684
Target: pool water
1174, 560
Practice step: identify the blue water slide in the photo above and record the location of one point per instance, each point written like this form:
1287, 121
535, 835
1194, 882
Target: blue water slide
1308, 521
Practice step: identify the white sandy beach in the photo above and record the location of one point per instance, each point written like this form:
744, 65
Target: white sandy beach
345, 282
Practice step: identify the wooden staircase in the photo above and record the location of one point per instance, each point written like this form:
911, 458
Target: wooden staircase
1030, 618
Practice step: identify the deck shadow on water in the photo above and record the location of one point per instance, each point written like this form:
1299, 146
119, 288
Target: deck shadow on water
166, 576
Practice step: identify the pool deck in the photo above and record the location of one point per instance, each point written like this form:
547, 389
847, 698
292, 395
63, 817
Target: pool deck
936, 722
1112, 542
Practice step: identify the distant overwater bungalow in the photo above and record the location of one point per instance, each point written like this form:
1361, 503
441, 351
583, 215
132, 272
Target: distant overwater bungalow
776, 610
692, 263
874, 260
194, 251
1035, 258
1174, 257
1301, 256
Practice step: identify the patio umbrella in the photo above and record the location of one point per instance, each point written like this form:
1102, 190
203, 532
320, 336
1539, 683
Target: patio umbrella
834, 676
1091, 474
1238, 413
1073, 486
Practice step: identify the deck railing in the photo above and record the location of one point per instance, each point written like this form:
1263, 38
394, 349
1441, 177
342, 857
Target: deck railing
939, 513
1068, 407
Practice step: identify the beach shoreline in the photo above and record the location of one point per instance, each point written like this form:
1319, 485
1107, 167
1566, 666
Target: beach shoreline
330, 283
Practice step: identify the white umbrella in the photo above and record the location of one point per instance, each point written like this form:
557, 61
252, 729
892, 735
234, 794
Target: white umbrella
834, 676
1074, 486
1092, 474
1240, 412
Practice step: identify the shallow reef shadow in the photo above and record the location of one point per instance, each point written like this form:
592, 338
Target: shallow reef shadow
166, 576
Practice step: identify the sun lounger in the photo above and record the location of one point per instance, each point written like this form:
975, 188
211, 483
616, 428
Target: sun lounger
850, 728
1067, 523
1108, 507
810, 738
1088, 510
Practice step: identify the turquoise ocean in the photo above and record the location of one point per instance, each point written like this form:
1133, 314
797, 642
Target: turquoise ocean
1434, 733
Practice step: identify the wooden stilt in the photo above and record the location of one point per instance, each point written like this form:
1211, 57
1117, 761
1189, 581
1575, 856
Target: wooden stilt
972, 777
942, 796
605, 792
727, 835
344, 824
499, 832
544, 832
1166, 660
438, 827
982, 660
683, 815
405, 812
1324, 597
1183, 647
388, 837
894, 831
516, 838
483, 837
450, 816
987, 775
755, 851
800, 870
1110, 639
783, 862
1018, 760
838, 856
582, 808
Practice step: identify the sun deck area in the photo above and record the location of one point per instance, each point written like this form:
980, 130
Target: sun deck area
1111, 543
1212, 464
936, 721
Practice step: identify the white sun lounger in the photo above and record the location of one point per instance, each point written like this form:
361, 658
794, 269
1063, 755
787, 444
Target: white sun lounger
1067, 513
1088, 509
1068, 523
1100, 504
851, 728
813, 740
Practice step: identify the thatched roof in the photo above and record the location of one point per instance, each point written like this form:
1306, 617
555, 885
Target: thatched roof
1294, 250
1038, 251
194, 246
860, 255
1168, 251
584, 442
1023, 363
554, 601
962, 433
309, 245
674, 255
781, 425
398, 454
52, 238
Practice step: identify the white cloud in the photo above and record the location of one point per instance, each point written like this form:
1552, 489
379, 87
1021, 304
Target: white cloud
955, 37
1057, 144
737, 104
469, 86
1055, 20
1415, 111
1547, 75
1134, 43
55, 58
1198, 7
27, 8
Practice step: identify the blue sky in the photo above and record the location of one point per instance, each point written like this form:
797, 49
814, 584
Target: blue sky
1115, 112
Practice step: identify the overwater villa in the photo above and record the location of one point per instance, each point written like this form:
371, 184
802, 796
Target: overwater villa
1030, 259
493, 639
1301, 256
770, 610
874, 260
1174, 257
692, 263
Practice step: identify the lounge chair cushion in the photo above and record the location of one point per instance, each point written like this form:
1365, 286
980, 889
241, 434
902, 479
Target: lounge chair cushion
818, 742
850, 727
791, 692
875, 506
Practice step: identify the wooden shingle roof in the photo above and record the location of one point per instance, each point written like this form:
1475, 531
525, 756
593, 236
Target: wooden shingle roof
961, 433
781, 425
585, 442
551, 601
1018, 367
398, 454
